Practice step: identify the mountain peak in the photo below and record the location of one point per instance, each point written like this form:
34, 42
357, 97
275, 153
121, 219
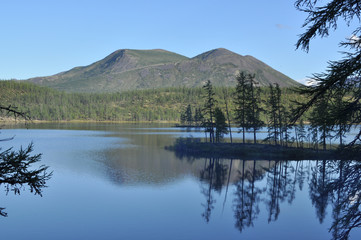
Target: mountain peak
218, 52
129, 69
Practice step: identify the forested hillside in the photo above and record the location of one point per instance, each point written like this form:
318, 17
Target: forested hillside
166, 104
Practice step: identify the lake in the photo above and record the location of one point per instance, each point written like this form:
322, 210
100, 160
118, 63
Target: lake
116, 181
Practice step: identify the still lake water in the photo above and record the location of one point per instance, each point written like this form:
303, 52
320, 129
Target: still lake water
116, 181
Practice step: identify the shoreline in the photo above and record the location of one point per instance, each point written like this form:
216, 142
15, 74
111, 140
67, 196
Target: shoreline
188, 147
18, 121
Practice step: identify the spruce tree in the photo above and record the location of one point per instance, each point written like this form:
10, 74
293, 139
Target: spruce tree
253, 111
220, 124
208, 109
320, 119
273, 122
301, 133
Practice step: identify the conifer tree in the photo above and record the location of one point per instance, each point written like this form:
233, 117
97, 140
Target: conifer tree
273, 122
220, 124
240, 102
183, 118
253, 111
322, 17
301, 133
320, 119
280, 111
209, 110
340, 116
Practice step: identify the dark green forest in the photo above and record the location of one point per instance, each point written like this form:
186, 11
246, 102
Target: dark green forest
167, 104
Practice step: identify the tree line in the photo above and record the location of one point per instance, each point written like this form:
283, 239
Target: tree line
248, 106
252, 107
167, 104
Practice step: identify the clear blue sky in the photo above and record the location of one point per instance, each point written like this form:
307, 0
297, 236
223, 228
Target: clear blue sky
42, 37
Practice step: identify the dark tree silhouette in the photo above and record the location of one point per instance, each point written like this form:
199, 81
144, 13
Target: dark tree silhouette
198, 116
340, 118
16, 170
247, 104
274, 125
11, 111
220, 124
343, 74
214, 174
279, 188
254, 107
319, 192
247, 196
320, 120
209, 110
240, 102
346, 190
189, 115
300, 132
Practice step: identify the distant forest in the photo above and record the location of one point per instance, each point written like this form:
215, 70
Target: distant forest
166, 104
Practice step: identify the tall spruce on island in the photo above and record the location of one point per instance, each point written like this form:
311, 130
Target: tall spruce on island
247, 104
274, 102
220, 124
209, 110
254, 111
240, 103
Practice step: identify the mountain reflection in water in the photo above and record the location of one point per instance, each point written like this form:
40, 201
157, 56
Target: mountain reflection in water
140, 190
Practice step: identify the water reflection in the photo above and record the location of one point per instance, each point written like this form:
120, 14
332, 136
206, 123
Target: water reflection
345, 189
117, 167
213, 175
247, 197
16, 172
270, 183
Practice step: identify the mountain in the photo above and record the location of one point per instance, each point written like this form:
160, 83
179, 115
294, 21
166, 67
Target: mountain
146, 69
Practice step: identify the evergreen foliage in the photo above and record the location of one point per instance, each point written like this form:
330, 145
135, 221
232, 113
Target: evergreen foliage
340, 75
240, 102
274, 125
320, 120
209, 108
165, 104
253, 113
220, 124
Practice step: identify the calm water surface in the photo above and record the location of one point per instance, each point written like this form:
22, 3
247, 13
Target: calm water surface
117, 182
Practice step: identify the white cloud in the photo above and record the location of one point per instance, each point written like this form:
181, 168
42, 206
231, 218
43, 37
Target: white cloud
308, 81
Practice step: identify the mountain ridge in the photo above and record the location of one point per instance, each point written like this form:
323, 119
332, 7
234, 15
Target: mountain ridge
128, 69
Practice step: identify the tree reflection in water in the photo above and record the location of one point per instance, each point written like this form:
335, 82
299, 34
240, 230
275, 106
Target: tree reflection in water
336, 184
247, 197
319, 189
345, 189
17, 172
214, 175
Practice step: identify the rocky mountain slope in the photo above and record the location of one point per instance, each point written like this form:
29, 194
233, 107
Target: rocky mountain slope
146, 69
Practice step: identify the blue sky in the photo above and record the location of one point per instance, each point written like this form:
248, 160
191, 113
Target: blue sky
40, 38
